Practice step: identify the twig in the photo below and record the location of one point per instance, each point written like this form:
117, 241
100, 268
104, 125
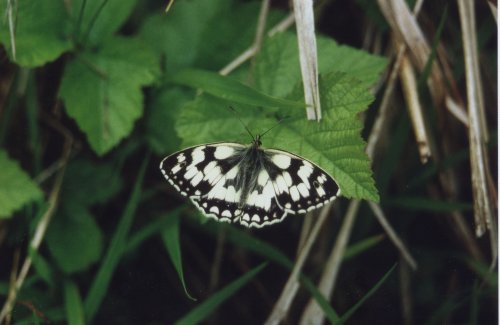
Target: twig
409, 83
282, 25
379, 214
12, 32
405, 278
304, 21
35, 243
494, 10
313, 313
42, 225
285, 300
483, 213
255, 48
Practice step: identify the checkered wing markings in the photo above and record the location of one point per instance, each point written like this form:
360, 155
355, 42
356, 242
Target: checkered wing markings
272, 184
299, 185
226, 202
194, 171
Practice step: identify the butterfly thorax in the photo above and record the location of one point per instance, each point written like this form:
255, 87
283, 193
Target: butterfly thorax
251, 161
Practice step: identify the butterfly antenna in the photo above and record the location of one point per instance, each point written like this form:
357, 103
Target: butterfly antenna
275, 125
239, 119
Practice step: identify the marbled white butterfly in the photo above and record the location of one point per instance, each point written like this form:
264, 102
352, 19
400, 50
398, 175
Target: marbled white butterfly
232, 182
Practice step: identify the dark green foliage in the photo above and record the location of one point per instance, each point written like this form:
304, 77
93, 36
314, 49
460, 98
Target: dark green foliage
98, 91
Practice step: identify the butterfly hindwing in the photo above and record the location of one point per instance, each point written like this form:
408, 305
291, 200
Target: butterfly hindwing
300, 186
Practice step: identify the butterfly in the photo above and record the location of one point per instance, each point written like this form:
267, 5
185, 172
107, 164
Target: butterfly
256, 187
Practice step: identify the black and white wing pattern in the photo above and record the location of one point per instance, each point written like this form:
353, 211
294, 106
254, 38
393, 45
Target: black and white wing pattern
232, 182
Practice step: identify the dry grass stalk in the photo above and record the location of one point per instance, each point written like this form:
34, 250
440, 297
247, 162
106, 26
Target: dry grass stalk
304, 21
288, 293
483, 213
312, 313
405, 26
410, 92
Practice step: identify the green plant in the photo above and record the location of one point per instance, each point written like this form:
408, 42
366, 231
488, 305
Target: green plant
95, 92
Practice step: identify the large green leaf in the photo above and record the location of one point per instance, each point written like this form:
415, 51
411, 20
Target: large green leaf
230, 89
16, 187
277, 69
178, 33
96, 20
102, 90
195, 33
41, 31
334, 143
160, 118
74, 239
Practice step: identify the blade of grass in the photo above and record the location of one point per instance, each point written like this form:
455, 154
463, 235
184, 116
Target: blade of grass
42, 267
361, 246
200, 312
170, 236
432, 56
230, 89
73, 304
327, 309
368, 295
422, 203
264, 249
115, 251
151, 229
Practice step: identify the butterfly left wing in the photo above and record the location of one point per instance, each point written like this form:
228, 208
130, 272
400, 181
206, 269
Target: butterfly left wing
194, 171
300, 185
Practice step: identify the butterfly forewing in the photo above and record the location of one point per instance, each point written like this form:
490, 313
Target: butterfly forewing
246, 184
195, 171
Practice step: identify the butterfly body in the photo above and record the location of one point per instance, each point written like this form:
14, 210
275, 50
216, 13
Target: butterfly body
232, 182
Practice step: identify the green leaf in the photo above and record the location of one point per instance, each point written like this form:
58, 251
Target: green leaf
230, 89
330, 313
161, 116
170, 236
115, 250
102, 91
42, 267
99, 19
41, 31
359, 64
177, 34
335, 143
200, 312
16, 187
154, 227
195, 33
208, 119
73, 304
74, 239
277, 68
87, 183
